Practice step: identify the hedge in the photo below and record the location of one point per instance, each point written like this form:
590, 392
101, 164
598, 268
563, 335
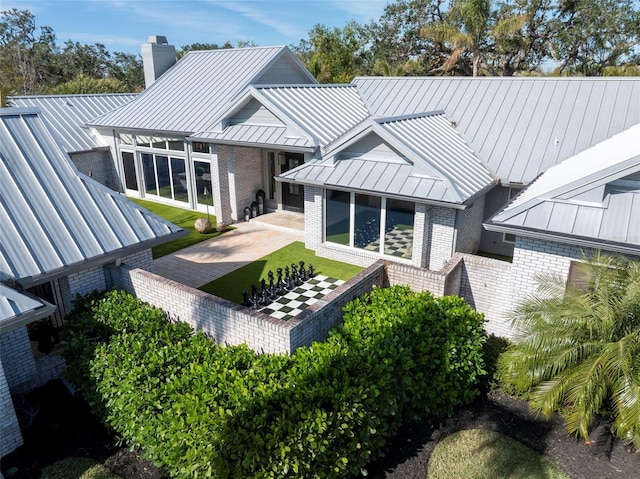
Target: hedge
200, 410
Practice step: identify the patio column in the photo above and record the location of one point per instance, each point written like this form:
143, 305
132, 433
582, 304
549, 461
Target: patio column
220, 183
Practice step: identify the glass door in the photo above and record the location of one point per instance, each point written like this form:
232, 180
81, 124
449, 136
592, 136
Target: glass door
292, 194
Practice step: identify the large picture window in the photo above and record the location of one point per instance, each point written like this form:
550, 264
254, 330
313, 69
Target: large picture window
373, 223
338, 205
164, 177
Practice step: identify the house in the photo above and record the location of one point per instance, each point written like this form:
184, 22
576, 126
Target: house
406, 170
60, 230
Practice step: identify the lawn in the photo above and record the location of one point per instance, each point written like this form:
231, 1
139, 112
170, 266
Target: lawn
180, 217
231, 285
474, 453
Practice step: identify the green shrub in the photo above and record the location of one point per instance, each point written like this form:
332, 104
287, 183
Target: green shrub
199, 410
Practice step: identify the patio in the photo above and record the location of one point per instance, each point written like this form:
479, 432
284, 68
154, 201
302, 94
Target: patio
248, 241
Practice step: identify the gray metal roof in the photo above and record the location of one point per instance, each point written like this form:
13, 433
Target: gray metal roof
431, 162
67, 115
192, 93
593, 196
54, 219
518, 126
19, 308
299, 116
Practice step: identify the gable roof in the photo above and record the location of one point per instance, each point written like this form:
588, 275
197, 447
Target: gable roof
519, 126
297, 116
67, 115
433, 163
55, 220
193, 92
591, 198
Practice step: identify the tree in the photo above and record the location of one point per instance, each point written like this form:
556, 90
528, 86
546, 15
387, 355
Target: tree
333, 55
201, 47
395, 43
85, 84
594, 34
579, 346
26, 57
521, 34
465, 29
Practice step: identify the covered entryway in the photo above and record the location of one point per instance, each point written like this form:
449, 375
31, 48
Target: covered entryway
282, 196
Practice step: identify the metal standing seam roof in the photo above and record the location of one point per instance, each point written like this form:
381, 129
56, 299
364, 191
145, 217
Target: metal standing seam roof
19, 308
320, 112
594, 195
439, 166
67, 115
54, 219
193, 92
518, 126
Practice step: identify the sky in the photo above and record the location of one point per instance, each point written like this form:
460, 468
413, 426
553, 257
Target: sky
124, 25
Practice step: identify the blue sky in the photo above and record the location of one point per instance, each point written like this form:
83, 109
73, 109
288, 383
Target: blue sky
123, 25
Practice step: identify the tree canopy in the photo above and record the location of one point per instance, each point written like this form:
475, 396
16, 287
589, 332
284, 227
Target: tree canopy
411, 37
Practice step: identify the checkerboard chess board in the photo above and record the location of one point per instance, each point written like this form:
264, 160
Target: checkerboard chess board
300, 298
397, 243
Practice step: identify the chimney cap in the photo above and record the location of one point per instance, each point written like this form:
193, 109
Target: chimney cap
158, 39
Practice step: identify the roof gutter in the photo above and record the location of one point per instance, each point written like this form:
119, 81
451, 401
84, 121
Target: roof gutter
562, 238
272, 146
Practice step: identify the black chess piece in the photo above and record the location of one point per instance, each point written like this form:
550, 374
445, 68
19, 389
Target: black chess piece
245, 298
303, 272
310, 271
263, 283
265, 297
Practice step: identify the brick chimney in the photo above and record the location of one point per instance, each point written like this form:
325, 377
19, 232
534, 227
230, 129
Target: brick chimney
157, 57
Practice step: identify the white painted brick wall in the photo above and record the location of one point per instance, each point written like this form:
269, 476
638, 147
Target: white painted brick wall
98, 165
220, 183
469, 227
246, 172
441, 236
230, 323
10, 436
17, 360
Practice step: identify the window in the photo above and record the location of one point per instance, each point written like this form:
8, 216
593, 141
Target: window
373, 223
203, 182
509, 238
200, 147
367, 222
130, 179
338, 206
398, 232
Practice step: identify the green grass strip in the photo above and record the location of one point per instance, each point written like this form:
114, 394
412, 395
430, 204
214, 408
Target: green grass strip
231, 285
180, 217
479, 453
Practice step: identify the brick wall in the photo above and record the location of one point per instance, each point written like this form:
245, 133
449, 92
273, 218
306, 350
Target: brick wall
10, 436
230, 323
469, 227
17, 360
313, 217
441, 236
220, 183
486, 285
98, 165
245, 176
421, 240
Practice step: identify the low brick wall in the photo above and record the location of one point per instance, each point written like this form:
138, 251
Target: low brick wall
441, 283
230, 323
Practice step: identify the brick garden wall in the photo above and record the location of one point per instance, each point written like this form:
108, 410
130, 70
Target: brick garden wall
230, 323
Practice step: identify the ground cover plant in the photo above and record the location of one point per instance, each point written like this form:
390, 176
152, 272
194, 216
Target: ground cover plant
184, 219
578, 348
199, 410
231, 285
474, 453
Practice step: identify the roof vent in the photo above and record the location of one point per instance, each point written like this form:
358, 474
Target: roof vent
556, 141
